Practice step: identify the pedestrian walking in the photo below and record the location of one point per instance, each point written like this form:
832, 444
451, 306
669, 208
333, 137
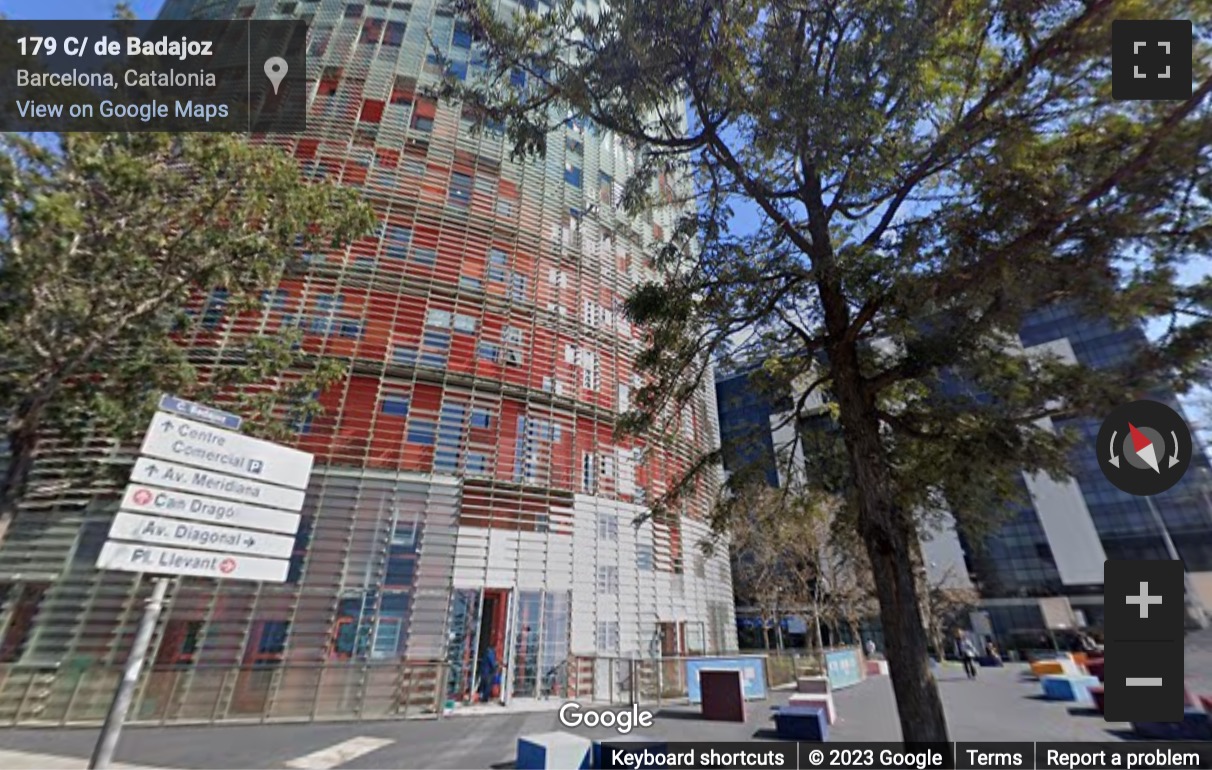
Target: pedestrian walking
488, 675
967, 653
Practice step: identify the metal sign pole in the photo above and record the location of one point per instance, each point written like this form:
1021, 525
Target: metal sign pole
107, 742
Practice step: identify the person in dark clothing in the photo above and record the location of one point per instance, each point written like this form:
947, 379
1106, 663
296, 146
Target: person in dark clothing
488, 674
967, 653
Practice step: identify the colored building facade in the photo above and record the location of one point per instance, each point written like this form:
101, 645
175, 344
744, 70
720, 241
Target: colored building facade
469, 491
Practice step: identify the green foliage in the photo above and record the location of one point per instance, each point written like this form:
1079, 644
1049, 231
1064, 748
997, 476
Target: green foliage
111, 243
923, 174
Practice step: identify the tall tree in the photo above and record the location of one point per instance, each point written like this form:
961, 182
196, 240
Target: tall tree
119, 250
920, 174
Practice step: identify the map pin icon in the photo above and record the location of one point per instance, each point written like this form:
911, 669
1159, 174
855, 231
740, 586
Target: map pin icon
275, 70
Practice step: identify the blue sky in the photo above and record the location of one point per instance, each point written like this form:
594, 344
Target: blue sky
75, 9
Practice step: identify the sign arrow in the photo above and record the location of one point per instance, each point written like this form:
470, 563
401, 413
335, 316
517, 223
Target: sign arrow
167, 426
1114, 457
1174, 457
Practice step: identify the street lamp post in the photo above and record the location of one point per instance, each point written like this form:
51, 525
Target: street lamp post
1196, 615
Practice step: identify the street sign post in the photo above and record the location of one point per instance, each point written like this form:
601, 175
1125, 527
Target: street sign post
134, 557
138, 528
204, 501
143, 498
201, 412
179, 440
159, 473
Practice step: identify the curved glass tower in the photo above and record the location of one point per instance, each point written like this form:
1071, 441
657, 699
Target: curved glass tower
470, 492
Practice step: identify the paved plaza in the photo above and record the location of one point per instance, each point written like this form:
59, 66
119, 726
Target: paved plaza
1001, 704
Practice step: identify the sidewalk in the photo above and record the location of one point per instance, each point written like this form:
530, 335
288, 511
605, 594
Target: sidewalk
24, 760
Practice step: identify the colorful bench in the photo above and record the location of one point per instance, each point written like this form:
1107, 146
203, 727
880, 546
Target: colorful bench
631, 744
877, 668
1055, 667
801, 723
1069, 688
815, 699
553, 751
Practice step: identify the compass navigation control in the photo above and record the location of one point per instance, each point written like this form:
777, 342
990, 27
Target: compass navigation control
1144, 447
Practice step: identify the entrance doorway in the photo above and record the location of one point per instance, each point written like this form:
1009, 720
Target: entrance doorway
528, 634
494, 622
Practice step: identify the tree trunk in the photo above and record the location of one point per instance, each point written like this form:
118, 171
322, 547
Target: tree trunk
22, 443
890, 538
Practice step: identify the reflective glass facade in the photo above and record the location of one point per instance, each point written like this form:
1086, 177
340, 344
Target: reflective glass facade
469, 492
1019, 560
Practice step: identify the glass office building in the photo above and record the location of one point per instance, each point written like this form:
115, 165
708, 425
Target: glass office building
1055, 542
470, 491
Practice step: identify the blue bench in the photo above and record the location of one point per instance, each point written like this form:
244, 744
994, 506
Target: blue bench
631, 744
1069, 688
802, 723
554, 751
990, 661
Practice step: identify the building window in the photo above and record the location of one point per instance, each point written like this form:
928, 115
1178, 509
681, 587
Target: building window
477, 464
608, 636
396, 241
423, 432
464, 324
425, 256
470, 283
644, 557
517, 288
439, 319
460, 189
179, 644
394, 405
608, 579
589, 470
393, 34
273, 640
488, 351
481, 418
498, 264
605, 188
572, 175
216, 304
400, 571
435, 348
608, 527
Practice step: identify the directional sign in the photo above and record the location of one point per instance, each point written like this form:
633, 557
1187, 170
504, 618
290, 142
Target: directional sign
179, 505
173, 476
200, 412
193, 443
134, 557
138, 528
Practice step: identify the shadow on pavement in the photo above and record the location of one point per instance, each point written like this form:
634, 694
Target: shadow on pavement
765, 734
681, 714
1127, 735
1085, 711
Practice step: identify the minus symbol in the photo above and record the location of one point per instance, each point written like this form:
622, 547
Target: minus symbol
1143, 681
